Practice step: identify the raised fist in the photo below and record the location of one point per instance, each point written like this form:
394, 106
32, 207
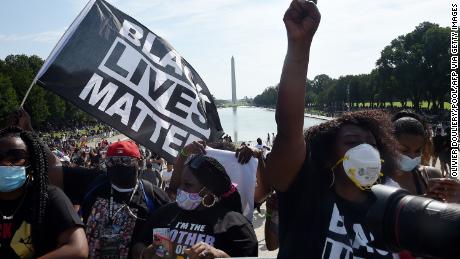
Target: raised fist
301, 20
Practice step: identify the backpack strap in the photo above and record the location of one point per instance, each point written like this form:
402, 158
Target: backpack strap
148, 199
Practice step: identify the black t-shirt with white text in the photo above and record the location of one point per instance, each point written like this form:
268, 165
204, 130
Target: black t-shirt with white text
219, 227
16, 234
314, 222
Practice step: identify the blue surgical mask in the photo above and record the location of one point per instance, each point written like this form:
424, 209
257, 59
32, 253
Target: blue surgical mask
12, 178
408, 164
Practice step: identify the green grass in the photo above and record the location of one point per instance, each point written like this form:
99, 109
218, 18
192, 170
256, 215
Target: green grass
68, 133
315, 112
409, 104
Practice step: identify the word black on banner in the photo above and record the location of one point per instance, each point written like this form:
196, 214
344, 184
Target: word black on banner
114, 68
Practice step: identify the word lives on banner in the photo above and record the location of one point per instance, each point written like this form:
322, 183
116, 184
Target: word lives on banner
114, 68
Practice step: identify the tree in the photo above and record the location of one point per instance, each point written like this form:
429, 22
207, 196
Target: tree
320, 82
415, 64
373, 88
16, 75
318, 85
37, 106
57, 108
436, 42
414, 67
8, 98
20, 71
267, 98
340, 96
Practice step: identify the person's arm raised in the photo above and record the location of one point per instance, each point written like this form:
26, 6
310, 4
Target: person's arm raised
288, 154
196, 147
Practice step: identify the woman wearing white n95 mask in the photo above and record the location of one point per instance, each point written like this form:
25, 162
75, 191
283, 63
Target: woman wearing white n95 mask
344, 158
322, 178
410, 131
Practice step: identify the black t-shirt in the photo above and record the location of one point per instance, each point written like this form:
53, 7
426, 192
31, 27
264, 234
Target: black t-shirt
152, 176
314, 222
437, 143
91, 189
16, 234
226, 230
79, 161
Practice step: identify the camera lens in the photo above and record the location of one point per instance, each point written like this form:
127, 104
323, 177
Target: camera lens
423, 226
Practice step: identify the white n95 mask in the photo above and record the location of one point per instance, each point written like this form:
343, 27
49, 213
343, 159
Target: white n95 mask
362, 164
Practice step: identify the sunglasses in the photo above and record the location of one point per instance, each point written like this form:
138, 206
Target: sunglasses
120, 161
197, 162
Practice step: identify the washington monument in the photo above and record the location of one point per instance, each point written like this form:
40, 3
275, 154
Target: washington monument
234, 100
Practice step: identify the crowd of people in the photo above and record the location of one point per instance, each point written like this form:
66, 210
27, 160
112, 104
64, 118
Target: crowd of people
87, 148
64, 198
84, 147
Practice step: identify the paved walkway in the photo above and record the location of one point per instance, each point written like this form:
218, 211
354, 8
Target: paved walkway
259, 223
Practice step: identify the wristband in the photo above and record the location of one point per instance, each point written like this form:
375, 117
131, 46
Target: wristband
183, 153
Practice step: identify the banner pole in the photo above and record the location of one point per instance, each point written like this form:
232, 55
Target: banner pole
27, 94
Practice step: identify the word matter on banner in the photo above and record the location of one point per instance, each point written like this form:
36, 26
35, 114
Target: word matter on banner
114, 68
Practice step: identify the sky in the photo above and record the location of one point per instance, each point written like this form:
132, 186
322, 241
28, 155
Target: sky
207, 33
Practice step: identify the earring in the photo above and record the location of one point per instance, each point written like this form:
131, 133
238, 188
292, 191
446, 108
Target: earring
379, 180
215, 199
333, 179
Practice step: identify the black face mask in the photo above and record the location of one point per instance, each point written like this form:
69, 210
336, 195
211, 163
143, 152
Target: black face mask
122, 176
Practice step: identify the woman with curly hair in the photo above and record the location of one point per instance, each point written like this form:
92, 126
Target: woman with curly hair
343, 159
322, 177
36, 219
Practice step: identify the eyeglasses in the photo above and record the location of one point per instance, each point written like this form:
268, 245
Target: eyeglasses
120, 161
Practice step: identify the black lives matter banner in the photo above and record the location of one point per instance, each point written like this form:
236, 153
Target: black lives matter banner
114, 68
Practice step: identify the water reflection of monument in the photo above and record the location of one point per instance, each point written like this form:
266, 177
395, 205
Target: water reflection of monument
234, 102
235, 125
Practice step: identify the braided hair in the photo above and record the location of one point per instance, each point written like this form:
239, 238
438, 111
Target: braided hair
212, 175
37, 192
